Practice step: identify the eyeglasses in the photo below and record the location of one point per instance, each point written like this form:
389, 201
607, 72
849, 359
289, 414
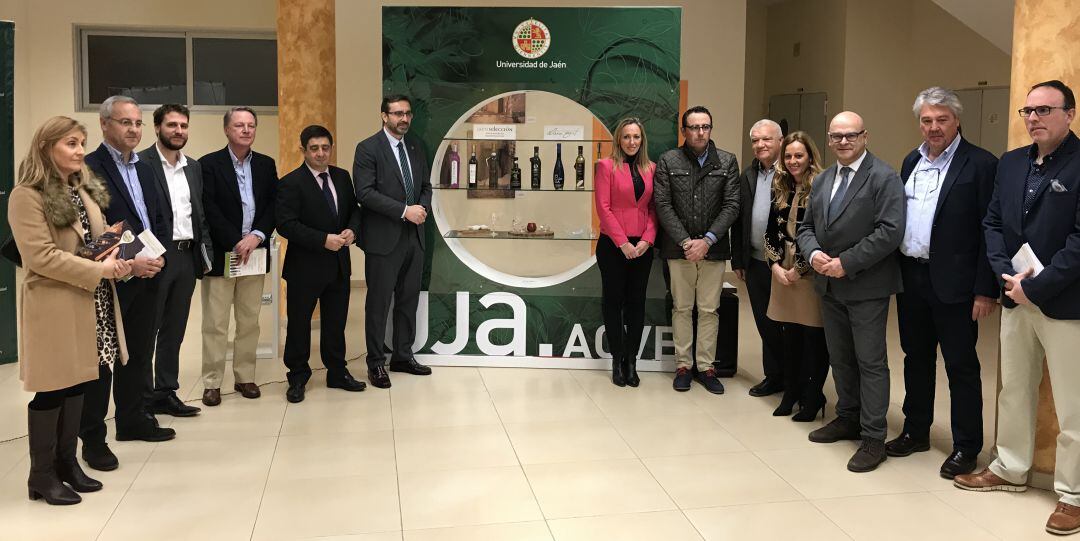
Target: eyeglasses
698, 127
849, 137
127, 122
1041, 110
401, 114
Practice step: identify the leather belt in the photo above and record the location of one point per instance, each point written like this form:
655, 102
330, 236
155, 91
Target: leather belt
182, 245
919, 260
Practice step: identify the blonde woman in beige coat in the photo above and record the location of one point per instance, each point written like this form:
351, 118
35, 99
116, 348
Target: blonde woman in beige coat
69, 318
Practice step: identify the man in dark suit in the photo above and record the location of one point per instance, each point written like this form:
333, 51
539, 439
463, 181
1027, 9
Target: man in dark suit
1035, 205
136, 199
239, 195
948, 284
317, 213
188, 250
854, 223
392, 185
748, 251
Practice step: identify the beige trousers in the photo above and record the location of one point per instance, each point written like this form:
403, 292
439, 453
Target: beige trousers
700, 283
244, 296
1027, 336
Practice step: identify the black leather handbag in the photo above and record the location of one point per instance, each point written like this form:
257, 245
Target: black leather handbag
10, 251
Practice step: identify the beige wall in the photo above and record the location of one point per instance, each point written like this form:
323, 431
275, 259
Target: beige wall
873, 56
45, 70
756, 104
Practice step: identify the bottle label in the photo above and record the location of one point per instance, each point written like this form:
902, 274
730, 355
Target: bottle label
472, 173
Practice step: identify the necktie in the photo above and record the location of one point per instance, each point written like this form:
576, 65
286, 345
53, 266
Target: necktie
327, 193
405, 173
834, 205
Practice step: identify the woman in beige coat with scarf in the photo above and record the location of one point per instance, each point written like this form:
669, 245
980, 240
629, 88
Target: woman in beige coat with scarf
68, 317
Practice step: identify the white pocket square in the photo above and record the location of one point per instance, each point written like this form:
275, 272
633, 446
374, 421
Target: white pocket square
1057, 186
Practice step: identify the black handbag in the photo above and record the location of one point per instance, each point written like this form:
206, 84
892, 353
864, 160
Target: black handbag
10, 251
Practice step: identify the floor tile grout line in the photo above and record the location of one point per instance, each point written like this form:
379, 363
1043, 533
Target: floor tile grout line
643, 465
127, 490
270, 468
963, 514
397, 467
543, 516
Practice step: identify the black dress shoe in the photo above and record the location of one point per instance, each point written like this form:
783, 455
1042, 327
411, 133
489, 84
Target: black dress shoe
100, 457
869, 456
172, 405
346, 382
410, 366
295, 393
959, 463
145, 432
378, 377
766, 387
906, 444
838, 429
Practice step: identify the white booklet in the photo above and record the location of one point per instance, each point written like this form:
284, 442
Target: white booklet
152, 247
256, 264
1025, 259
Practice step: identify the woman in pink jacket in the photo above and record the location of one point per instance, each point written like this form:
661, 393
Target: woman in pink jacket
624, 191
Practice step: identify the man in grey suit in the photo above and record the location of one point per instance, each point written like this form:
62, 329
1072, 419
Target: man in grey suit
187, 253
854, 224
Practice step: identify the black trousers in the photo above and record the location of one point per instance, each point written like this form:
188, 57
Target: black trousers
623, 298
806, 363
177, 284
925, 323
138, 308
759, 286
333, 299
393, 277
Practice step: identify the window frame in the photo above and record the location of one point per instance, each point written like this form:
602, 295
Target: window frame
82, 34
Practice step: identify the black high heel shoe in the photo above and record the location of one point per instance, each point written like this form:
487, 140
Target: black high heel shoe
785, 407
630, 367
809, 412
618, 371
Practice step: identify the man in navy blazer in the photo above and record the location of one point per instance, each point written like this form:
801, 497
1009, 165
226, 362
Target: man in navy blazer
239, 193
391, 174
1036, 203
317, 213
136, 199
948, 284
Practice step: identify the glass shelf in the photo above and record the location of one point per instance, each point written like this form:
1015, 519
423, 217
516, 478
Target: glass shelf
507, 190
505, 235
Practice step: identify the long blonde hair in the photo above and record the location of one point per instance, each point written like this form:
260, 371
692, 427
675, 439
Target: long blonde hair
783, 181
618, 157
37, 169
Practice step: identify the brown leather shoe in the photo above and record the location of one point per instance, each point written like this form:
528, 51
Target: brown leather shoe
211, 397
985, 481
1064, 520
247, 390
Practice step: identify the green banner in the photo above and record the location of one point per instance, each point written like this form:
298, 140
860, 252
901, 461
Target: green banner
525, 71
8, 337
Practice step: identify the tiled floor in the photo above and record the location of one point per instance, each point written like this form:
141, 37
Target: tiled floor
510, 454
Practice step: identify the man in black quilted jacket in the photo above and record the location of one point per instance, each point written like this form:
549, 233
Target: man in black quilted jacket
696, 192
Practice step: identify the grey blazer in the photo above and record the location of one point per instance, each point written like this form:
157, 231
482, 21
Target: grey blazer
865, 233
203, 250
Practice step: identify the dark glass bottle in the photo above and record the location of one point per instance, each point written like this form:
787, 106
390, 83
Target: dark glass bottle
493, 170
579, 169
558, 176
515, 176
535, 174
472, 170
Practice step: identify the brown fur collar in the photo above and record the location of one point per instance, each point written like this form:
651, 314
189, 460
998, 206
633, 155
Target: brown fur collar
59, 209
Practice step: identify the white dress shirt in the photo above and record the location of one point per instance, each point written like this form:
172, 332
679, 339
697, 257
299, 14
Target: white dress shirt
921, 191
179, 196
319, 181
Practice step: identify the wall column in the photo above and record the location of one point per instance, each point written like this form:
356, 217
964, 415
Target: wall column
1046, 38
307, 74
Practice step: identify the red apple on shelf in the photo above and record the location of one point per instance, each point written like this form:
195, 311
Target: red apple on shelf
531, 228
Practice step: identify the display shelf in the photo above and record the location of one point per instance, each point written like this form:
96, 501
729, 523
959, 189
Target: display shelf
505, 235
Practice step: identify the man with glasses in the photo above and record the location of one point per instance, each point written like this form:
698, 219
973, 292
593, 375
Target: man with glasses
136, 199
948, 284
697, 200
1035, 210
748, 248
854, 224
239, 196
391, 174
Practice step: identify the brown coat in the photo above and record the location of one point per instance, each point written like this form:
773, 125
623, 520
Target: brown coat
57, 319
